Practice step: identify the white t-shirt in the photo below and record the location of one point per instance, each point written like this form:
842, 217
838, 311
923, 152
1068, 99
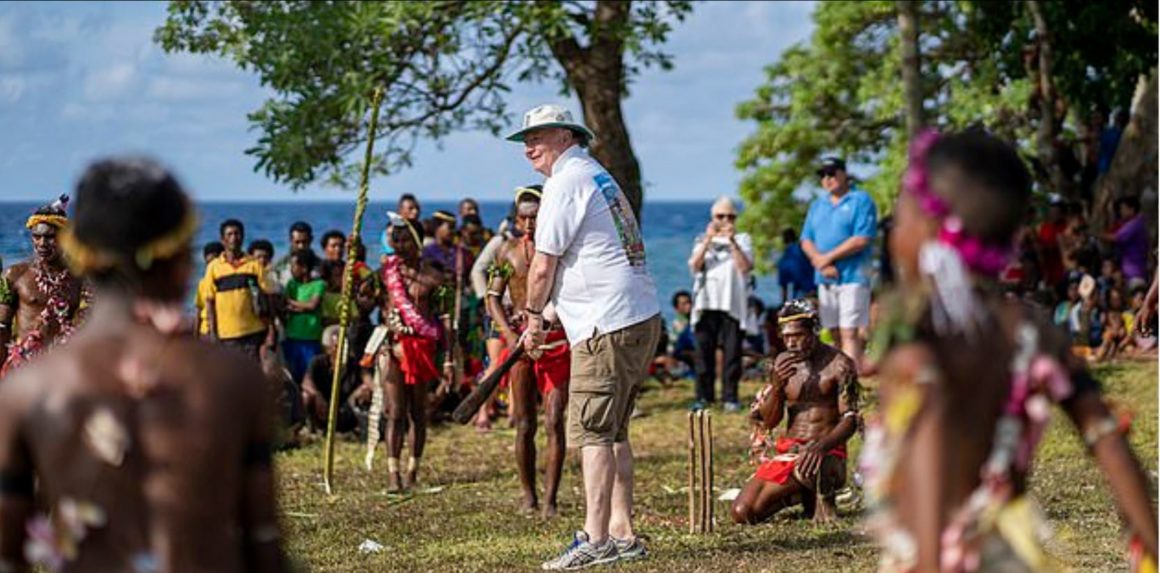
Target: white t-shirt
602, 281
720, 285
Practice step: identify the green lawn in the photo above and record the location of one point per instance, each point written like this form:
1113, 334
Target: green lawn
464, 515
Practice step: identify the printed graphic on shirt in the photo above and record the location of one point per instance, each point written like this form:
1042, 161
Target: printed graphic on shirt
625, 221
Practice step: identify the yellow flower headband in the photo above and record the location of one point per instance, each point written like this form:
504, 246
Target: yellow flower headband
83, 259
521, 191
793, 317
58, 221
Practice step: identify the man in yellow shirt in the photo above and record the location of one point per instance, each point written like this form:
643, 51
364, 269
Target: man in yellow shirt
235, 288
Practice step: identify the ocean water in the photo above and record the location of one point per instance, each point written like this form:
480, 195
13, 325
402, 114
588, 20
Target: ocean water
669, 230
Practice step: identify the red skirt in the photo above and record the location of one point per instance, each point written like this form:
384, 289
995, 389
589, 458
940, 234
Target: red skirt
418, 360
553, 368
781, 466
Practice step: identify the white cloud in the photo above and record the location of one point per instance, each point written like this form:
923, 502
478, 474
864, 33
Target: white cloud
110, 82
11, 88
186, 89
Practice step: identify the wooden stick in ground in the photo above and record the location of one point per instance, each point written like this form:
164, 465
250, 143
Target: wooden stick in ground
709, 484
704, 471
692, 477
344, 308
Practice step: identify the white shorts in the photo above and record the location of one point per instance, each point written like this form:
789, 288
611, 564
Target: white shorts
844, 306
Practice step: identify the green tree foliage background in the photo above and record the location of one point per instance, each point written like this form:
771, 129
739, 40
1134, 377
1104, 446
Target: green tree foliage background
841, 93
444, 65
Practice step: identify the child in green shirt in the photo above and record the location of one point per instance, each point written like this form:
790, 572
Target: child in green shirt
303, 314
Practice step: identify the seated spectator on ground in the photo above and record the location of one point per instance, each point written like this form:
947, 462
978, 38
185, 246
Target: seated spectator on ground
1086, 324
677, 359
1110, 279
1143, 335
1063, 310
1117, 321
316, 385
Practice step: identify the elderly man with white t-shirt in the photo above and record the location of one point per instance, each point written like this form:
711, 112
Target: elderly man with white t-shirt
721, 261
590, 263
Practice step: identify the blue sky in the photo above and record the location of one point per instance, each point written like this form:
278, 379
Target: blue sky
82, 80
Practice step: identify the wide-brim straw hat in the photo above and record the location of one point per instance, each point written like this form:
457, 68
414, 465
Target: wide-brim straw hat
550, 115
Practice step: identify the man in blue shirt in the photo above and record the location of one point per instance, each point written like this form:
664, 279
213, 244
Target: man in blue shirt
837, 237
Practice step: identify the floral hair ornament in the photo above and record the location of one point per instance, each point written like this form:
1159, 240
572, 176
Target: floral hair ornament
398, 220
53, 215
978, 256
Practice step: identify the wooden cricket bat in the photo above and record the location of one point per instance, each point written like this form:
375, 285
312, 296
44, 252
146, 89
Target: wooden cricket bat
470, 405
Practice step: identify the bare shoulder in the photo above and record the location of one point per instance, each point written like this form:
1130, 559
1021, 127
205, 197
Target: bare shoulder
16, 271
838, 362
505, 250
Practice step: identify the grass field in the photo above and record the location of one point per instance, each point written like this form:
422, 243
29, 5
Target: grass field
464, 517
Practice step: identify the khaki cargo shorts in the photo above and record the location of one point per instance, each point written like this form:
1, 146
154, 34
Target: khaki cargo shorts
607, 372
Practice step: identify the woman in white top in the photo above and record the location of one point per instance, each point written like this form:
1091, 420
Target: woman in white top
721, 261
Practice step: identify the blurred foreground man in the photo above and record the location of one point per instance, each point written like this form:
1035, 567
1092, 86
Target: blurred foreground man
590, 263
148, 448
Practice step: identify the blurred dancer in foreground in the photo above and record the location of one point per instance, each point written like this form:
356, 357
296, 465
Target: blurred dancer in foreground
146, 445
968, 379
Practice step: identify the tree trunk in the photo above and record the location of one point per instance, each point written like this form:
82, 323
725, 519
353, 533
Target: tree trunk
601, 103
911, 71
596, 72
1048, 127
1133, 168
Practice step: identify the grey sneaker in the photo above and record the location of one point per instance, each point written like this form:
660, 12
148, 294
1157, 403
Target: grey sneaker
629, 549
581, 554
732, 406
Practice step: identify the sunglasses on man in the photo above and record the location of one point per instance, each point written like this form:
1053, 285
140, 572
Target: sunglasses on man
827, 173
725, 216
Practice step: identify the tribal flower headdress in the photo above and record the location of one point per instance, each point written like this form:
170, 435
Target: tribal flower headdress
982, 257
397, 220
53, 215
947, 260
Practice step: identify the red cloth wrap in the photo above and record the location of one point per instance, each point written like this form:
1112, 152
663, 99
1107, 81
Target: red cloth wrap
779, 471
553, 368
418, 360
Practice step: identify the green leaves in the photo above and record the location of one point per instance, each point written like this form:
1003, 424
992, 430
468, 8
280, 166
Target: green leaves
841, 92
444, 65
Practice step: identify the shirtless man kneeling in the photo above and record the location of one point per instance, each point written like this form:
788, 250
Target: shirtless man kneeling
545, 375
149, 448
817, 386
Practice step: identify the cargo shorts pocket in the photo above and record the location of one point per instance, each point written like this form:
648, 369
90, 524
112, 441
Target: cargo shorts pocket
596, 410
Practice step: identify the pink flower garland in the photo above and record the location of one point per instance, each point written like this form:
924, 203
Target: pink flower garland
980, 257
